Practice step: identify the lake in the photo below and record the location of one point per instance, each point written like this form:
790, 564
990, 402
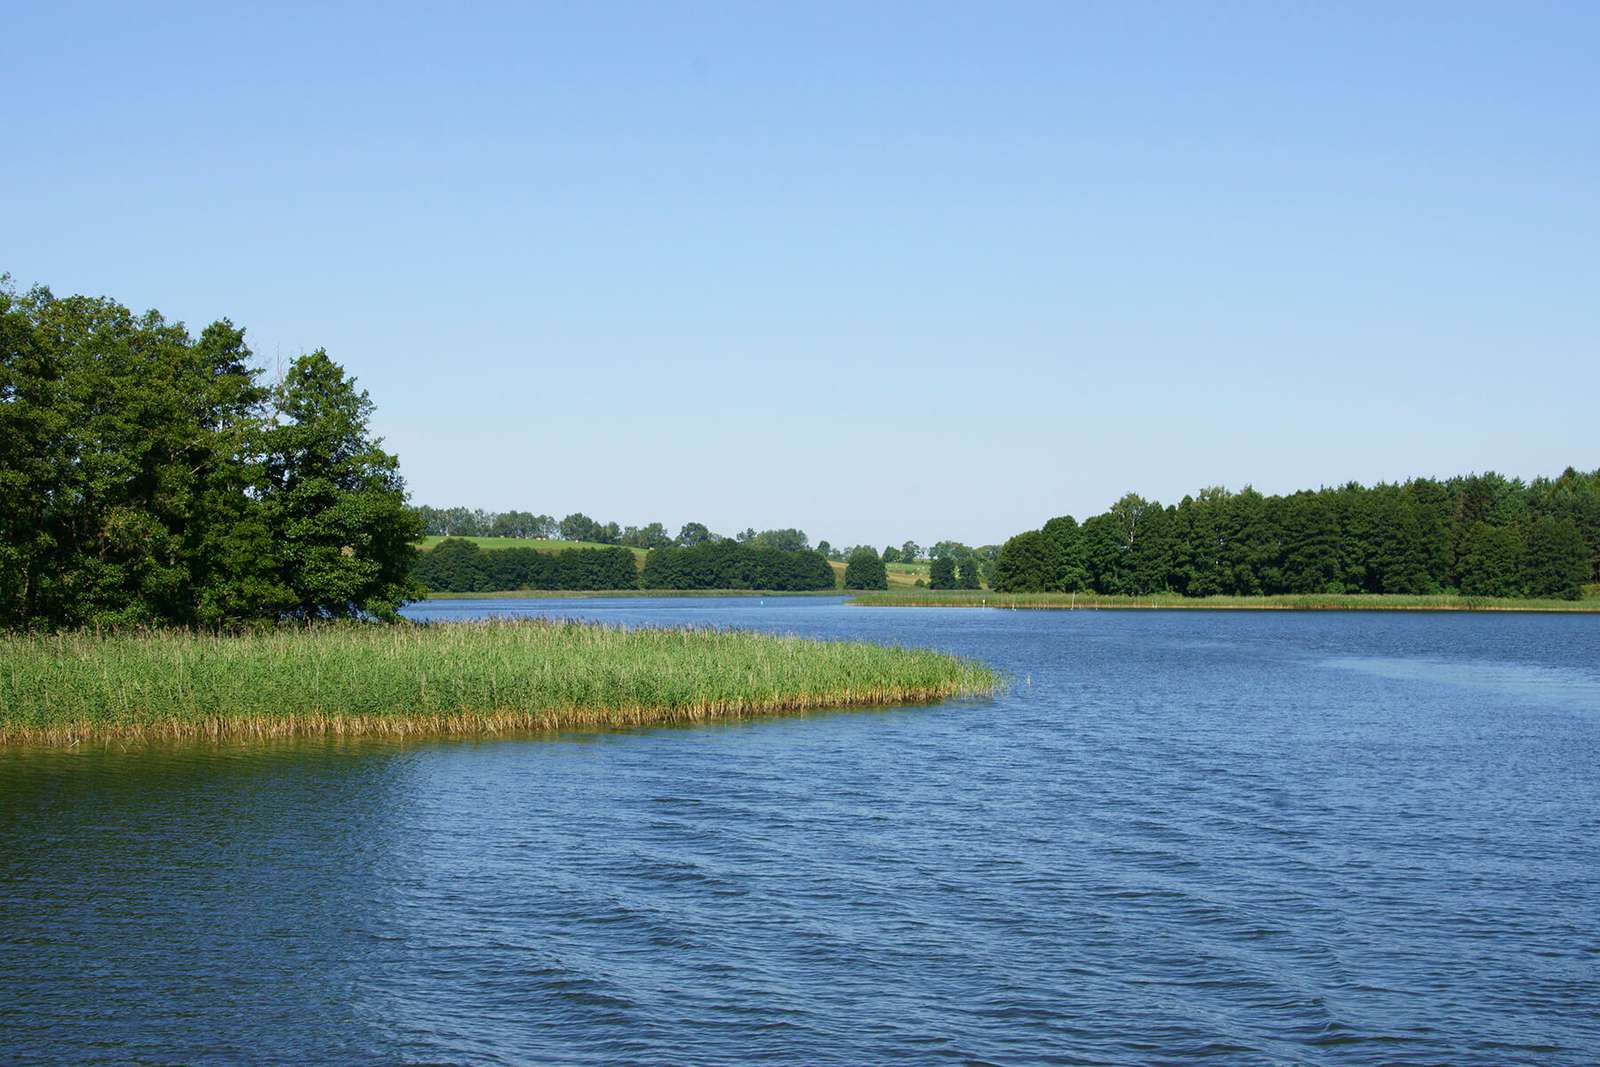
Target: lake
1245, 837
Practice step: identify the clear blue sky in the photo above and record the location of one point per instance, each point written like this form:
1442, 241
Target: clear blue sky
875, 270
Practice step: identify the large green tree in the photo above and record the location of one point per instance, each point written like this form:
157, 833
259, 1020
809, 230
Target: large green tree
34, 459
580, 527
1105, 554
1490, 561
865, 570
147, 476
1556, 563
1197, 557
1024, 565
694, 533
1065, 570
1311, 540
1251, 544
335, 499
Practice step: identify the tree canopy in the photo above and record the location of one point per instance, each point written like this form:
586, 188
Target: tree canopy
457, 565
1480, 535
865, 570
732, 565
475, 522
148, 476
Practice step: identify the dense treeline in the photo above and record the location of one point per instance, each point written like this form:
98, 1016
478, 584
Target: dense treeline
732, 565
150, 476
456, 565
475, 522
1478, 535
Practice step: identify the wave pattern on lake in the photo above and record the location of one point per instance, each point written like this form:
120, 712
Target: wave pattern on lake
1177, 837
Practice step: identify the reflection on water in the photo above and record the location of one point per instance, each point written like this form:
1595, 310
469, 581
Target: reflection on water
1570, 685
1285, 838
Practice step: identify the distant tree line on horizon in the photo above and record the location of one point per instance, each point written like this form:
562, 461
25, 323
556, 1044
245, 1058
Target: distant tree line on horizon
458, 565
476, 522
736, 565
1478, 535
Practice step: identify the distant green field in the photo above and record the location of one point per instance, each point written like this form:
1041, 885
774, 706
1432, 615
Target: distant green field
901, 575
537, 543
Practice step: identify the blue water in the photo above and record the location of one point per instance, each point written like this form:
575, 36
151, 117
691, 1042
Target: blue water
1248, 838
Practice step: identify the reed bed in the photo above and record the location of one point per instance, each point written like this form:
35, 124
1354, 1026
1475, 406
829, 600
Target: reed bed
456, 678
1168, 601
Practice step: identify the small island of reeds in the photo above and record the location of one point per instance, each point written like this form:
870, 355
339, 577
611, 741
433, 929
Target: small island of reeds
456, 678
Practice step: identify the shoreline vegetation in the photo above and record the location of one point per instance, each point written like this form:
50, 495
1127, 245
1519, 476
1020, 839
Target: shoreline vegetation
908, 596
1481, 536
1173, 602
456, 679
623, 594
987, 598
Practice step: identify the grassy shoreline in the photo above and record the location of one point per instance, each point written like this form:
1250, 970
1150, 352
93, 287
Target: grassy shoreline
585, 594
460, 678
965, 598
1170, 602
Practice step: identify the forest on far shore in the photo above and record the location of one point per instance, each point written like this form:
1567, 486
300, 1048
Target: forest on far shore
1483, 535
580, 529
457, 565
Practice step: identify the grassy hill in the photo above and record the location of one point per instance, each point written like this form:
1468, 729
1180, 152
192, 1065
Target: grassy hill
901, 575
537, 543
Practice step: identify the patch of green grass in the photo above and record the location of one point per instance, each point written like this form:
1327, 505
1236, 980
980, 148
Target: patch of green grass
1168, 601
906, 574
451, 678
901, 575
537, 543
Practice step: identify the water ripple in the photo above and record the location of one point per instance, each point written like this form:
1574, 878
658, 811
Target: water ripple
1315, 839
